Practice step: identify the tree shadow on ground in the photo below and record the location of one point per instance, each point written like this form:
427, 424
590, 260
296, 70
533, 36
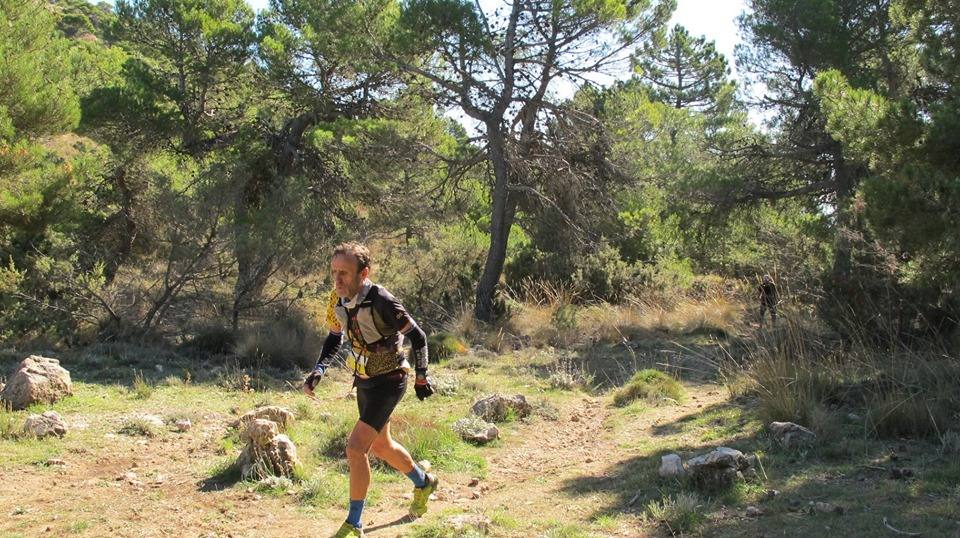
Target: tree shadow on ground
119, 363
852, 473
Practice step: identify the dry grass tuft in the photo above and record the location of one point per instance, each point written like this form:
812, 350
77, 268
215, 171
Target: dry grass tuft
801, 377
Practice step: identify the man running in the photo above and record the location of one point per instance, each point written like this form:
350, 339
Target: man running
376, 324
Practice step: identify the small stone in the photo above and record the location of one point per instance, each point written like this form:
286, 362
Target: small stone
45, 425
474, 482
183, 424
753, 511
771, 493
463, 524
670, 466
588, 460
55, 461
575, 418
790, 435
475, 495
853, 417
282, 416
826, 508
496, 407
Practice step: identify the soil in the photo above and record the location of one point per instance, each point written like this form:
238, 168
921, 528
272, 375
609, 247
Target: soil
171, 497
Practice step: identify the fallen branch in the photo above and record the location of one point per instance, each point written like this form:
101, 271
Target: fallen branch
896, 531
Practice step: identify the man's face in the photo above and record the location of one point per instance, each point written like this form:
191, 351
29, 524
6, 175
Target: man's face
346, 278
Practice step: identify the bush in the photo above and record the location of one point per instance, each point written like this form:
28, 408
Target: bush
445, 384
466, 363
138, 426
680, 514
799, 378
211, 340
651, 385
435, 275
289, 342
915, 395
444, 346
565, 374
603, 275
10, 424
141, 389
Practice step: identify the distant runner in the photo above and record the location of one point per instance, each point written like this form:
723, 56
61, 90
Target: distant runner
769, 298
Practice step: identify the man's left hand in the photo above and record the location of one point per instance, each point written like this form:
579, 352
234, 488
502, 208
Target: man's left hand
422, 386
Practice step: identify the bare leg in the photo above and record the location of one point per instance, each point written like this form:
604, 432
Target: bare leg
392, 452
358, 445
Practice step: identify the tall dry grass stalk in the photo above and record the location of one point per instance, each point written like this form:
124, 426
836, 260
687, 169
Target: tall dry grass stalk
557, 320
802, 376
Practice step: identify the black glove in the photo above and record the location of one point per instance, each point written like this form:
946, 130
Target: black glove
422, 386
314, 377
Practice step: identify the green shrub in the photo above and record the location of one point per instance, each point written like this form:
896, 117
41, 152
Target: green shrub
565, 374
10, 425
798, 378
142, 390
289, 342
444, 346
603, 275
446, 384
326, 489
680, 514
466, 363
211, 340
139, 426
651, 385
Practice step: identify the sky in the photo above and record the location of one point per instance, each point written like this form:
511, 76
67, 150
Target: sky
715, 19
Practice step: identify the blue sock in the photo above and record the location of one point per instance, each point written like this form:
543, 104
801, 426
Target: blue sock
353, 516
418, 477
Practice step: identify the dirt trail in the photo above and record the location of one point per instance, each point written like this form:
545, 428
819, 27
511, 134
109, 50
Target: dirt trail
526, 475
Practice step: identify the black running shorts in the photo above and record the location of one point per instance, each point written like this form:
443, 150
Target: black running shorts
378, 396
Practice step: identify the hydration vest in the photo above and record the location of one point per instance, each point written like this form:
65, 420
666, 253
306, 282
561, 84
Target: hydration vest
375, 339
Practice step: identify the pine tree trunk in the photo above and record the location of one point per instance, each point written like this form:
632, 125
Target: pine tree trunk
502, 216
